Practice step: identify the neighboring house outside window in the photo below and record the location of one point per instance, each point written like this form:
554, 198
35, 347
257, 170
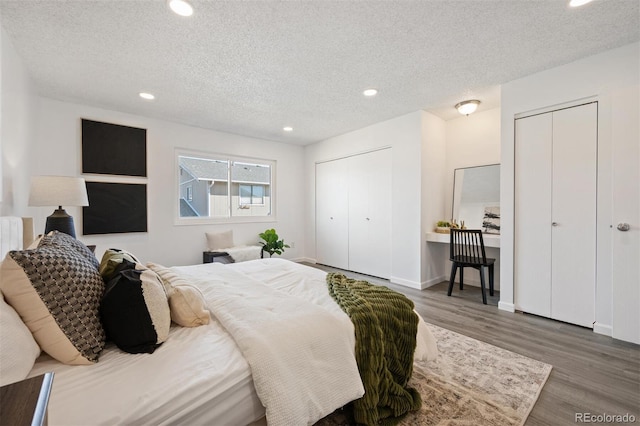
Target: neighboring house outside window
251, 195
219, 188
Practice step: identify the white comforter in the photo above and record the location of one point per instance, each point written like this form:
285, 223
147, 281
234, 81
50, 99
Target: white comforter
198, 376
297, 340
301, 354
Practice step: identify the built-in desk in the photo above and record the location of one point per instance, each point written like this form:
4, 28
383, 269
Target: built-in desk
490, 240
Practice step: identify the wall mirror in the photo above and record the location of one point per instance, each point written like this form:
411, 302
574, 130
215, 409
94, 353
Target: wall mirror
476, 197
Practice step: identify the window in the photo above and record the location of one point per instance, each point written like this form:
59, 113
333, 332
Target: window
220, 188
251, 194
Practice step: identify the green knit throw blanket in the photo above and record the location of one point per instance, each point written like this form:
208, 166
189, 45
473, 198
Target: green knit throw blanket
385, 328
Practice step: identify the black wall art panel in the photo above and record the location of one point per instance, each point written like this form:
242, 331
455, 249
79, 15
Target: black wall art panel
113, 149
115, 208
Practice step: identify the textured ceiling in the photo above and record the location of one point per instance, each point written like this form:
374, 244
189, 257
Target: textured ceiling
252, 67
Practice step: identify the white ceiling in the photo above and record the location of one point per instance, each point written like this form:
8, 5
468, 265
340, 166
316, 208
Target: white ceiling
252, 67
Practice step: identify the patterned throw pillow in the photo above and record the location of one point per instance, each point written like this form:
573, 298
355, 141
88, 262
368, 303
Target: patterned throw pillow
57, 291
134, 310
67, 242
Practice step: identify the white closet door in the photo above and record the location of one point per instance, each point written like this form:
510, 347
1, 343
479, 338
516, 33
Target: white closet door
626, 210
574, 214
332, 215
533, 180
370, 213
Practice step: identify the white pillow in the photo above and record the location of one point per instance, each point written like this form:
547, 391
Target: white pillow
187, 304
19, 350
219, 240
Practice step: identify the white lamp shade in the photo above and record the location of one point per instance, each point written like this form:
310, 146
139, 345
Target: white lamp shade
58, 191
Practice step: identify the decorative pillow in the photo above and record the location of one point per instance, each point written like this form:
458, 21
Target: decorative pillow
67, 242
111, 259
186, 301
57, 294
18, 350
134, 309
219, 240
34, 245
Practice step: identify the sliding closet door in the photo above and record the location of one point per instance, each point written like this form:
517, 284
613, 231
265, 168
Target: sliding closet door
574, 215
370, 213
532, 249
332, 214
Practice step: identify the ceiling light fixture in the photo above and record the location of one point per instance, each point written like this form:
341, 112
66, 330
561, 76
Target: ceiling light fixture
147, 96
288, 129
181, 7
467, 107
370, 92
578, 3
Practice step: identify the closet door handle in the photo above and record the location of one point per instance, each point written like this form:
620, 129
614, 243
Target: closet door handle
624, 227
554, 223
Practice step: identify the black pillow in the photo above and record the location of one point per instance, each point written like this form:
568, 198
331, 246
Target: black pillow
134, 309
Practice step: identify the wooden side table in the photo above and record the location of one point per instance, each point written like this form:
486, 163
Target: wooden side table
25, 402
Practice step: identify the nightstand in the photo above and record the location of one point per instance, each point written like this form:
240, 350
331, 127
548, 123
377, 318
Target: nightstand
25, 402
216, 257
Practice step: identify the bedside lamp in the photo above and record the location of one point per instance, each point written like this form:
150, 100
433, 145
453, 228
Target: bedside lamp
58, 191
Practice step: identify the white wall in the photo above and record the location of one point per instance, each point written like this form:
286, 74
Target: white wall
434, 170
57, 150
472, 140
403, 134
42, 136
17, 131
600, 76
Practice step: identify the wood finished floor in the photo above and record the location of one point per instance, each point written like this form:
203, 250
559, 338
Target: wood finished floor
591, 373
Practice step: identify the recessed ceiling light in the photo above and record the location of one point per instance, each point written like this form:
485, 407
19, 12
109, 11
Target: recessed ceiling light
288, 129
578, 3
147, 96
370, 92
181, 7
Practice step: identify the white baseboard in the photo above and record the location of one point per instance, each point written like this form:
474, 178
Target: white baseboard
432, 282
505, 306
605, 329
406, 283
303, 259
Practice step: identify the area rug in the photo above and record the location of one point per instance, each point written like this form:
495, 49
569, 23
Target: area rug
470, 383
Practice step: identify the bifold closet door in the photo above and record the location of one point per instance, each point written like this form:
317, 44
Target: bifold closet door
555, 214
332, 214
532, 248
573, 273
370, 213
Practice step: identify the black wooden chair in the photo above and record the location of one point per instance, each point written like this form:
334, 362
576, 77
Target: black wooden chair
466, 248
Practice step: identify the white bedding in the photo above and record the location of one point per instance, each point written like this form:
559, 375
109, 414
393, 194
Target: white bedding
198, 376
301, 354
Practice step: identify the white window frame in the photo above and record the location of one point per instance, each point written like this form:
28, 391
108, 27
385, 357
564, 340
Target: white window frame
178, 220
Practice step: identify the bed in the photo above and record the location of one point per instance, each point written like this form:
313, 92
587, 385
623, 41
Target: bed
204, 375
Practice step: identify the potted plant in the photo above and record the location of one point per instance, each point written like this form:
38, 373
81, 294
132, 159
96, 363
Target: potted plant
271, 242
443, 227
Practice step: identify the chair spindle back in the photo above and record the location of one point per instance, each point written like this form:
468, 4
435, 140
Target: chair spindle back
467, 245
